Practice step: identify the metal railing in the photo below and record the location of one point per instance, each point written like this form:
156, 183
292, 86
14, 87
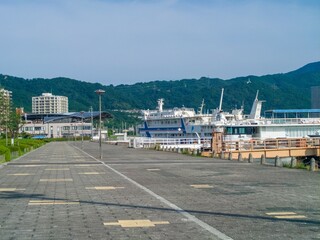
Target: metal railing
267, 144
170, 142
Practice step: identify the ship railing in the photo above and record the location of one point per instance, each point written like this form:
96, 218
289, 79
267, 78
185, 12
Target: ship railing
292, 120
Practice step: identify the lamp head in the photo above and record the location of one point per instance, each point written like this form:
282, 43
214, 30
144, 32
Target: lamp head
100, 92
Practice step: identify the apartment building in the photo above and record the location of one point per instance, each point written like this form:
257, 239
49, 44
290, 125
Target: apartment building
5, 103
48, 103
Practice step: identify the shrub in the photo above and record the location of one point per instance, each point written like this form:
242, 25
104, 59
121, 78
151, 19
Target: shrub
300, 165
5, 151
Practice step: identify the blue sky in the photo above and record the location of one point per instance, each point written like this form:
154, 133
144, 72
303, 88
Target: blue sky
129, 41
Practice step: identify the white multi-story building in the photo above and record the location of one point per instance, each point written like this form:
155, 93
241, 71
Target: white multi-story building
5, 104
48, 103
5, 96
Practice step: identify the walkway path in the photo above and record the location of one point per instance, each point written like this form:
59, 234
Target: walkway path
62, 192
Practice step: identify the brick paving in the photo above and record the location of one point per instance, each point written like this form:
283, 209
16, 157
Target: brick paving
60, 192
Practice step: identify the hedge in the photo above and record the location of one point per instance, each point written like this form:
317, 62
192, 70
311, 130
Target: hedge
6, 152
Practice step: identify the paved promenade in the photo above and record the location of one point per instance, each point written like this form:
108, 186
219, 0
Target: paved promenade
62, 192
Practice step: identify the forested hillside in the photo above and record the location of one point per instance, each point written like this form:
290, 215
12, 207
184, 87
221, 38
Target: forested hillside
288, 90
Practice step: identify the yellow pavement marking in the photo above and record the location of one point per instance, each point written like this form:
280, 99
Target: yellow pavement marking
290, 217
135, 223
57, 180
153, 169
104, 188
57, 169
201, 186
30, 165
84, 165
90, 173
20, 174
281, 213
11, 189
51, 202
285, 215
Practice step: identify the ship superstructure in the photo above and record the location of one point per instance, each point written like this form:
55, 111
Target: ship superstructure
185, 122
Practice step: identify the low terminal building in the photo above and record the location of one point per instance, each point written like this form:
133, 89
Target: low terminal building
62, 125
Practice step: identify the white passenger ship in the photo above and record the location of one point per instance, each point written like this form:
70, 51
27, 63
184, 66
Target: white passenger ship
186, 123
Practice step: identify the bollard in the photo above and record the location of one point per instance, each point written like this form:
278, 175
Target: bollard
250, 160
240, 157
263, 159
194, 152
198, 152
222, 155
312, 165
213, 154
277, 162
293, 162
230, 156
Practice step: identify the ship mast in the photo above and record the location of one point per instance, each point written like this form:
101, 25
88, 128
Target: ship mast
160, 104
221, 98
200, 109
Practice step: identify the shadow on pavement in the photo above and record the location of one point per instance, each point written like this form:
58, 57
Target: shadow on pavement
20, 195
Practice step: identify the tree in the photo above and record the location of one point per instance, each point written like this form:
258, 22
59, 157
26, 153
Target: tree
14, 124
1, 110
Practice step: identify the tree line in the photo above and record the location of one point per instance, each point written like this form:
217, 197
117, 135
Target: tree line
281, 91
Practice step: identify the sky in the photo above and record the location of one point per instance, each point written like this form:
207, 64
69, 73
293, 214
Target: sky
129, 41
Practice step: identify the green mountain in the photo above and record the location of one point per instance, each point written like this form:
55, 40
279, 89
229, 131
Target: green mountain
286, 90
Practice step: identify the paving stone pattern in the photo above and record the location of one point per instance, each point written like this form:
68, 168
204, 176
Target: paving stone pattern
60, 192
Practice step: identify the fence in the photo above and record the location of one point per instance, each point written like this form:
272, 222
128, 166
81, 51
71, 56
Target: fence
267, 144
194, 143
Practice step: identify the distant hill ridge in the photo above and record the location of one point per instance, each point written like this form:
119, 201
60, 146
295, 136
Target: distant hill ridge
285, 90
311, 67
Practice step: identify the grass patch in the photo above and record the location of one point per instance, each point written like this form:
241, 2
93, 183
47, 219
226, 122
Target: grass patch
286, 165
299, 165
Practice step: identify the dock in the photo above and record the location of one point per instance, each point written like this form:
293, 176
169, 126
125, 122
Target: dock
269, 148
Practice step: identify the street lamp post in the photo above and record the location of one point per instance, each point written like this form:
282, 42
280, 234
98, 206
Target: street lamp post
100, 92
82, 112
91, 122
